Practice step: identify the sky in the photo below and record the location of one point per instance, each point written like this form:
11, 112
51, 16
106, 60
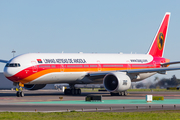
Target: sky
71, 26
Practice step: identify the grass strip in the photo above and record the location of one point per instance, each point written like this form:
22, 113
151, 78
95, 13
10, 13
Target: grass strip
153, 115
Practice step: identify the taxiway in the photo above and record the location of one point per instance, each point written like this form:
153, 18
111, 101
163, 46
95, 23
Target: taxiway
48, 101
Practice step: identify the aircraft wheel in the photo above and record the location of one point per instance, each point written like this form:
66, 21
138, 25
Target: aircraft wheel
21, 94
75, 91
114, 94
125, 93
66, 91
79, 91
18, 94
72, 92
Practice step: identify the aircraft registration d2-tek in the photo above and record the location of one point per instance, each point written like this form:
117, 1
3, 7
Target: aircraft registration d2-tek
116, 71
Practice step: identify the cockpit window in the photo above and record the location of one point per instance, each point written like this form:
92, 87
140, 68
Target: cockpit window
12, 65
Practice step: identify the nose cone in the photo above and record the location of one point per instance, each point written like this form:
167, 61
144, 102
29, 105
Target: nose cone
8, 72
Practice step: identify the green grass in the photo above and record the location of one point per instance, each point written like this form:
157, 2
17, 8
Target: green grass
154, 115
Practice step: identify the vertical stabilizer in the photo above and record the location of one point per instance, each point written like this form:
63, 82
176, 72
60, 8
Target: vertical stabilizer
157, 47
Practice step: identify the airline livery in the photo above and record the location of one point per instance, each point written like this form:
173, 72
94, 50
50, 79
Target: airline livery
116, 71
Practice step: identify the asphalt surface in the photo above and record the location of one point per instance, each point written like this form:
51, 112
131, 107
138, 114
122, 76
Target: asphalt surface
9, 102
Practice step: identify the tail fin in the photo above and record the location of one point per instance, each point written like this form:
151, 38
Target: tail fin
157, 47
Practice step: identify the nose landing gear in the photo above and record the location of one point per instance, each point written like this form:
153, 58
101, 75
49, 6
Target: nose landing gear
19, 90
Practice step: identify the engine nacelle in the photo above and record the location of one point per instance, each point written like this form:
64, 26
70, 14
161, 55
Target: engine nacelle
117, 82
34, 86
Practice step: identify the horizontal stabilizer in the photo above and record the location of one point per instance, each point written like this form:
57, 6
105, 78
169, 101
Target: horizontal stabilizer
169, 63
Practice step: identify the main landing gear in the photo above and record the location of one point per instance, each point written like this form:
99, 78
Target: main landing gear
72, 91
124, 93
19, 90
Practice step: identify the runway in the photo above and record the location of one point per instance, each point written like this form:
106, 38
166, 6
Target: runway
48, 101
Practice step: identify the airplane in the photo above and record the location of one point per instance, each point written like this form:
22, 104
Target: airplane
116, 71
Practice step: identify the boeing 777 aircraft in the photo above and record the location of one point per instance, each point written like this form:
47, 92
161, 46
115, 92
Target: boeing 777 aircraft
116, 71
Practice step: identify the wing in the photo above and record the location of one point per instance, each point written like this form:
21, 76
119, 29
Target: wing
3, 61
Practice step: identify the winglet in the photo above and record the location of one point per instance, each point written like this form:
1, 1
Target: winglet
157, 47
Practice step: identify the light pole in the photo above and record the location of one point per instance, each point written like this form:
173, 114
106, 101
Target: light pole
13, 52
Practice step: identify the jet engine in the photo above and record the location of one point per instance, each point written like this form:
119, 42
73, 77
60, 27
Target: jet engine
34, 86
116, 82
